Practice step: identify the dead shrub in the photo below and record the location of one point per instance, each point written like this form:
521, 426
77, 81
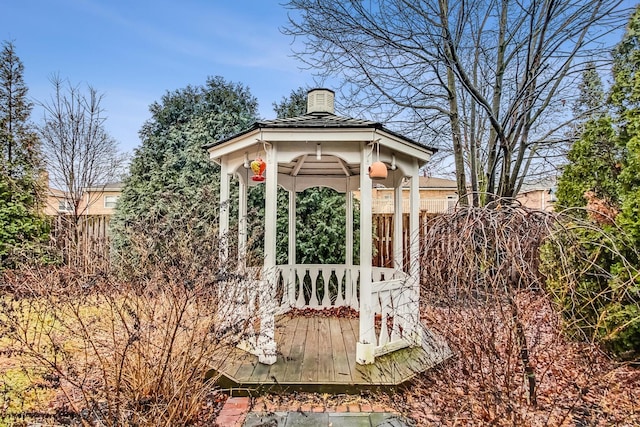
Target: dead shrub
127, 350
482, 291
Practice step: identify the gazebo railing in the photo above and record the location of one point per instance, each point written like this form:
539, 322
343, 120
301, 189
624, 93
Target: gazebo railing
391, 304
325, 286
318, 286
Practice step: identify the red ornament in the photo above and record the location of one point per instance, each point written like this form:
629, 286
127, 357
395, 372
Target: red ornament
258, 167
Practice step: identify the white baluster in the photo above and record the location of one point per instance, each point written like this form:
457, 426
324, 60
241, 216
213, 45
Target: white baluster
355, 302
313, 275
404, 296
291, 286
395, 296
340, 300
300, 286
326, 298
377, 308
251, 315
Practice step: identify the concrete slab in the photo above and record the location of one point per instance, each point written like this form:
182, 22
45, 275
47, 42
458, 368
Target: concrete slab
274, 419
327, 419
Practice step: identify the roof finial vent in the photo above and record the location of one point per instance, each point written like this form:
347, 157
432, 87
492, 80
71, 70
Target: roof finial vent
320, 101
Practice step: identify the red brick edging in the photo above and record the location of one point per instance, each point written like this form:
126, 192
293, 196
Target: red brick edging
235, 409
234, 412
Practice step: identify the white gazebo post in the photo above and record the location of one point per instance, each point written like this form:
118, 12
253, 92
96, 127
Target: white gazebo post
349, 291
266, 340
414, 255
243, 192
224, 211
367, 340
291, 276
398, 212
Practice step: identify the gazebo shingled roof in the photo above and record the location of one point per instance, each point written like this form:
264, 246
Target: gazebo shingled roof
318, 120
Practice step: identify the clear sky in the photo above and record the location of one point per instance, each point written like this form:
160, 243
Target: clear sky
134, 51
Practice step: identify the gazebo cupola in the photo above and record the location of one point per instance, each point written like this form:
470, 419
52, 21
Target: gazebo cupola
320, 148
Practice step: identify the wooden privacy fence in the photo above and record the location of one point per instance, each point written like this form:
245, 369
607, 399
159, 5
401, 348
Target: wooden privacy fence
82, 241
87, 245
383, 237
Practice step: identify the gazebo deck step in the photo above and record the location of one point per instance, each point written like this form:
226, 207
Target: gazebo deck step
317, 354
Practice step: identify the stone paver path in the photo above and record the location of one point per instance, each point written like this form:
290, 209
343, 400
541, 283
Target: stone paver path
237, 413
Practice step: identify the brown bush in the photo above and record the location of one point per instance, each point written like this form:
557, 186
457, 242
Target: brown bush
512, 365
125, 350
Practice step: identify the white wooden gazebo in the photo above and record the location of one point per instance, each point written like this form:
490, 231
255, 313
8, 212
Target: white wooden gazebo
323, 149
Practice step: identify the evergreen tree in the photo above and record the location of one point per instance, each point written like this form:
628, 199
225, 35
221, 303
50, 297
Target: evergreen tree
623, 312
172, 183
603, 302
21, 190
593, 158
591, 102
292, 106
625, 97
593, 166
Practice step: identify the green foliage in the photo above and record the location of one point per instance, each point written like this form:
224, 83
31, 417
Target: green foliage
320, 222
22, 227
255, 225
293, 106
171, 176
593, 166
629, 218
19, 144
625, 93
593, 269
591, 100
626, 97
592, 275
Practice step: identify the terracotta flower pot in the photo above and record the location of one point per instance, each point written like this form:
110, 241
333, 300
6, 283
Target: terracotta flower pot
378, 170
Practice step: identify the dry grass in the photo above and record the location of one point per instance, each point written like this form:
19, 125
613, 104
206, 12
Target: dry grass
115, 354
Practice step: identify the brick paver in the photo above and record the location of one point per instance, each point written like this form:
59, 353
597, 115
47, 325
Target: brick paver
365, 407
234, 412
236, 409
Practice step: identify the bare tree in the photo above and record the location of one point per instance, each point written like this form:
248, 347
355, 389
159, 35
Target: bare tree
78, 151
492, 81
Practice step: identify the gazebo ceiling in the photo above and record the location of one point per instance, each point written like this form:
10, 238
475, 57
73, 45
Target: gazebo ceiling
310, 165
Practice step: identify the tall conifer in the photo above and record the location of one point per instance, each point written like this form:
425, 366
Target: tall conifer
172, 182
21, 189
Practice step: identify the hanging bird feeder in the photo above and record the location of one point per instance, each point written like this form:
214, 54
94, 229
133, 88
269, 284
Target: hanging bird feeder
378, 170
258, 167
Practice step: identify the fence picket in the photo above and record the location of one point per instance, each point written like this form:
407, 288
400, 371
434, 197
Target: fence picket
83, 245
91, 250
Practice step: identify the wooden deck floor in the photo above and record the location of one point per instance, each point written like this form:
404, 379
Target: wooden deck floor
318, 354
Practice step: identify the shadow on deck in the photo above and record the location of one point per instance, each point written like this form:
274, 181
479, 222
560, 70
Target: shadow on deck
318, 354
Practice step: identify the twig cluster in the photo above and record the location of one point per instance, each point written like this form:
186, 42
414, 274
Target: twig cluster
129, 346
483, 292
